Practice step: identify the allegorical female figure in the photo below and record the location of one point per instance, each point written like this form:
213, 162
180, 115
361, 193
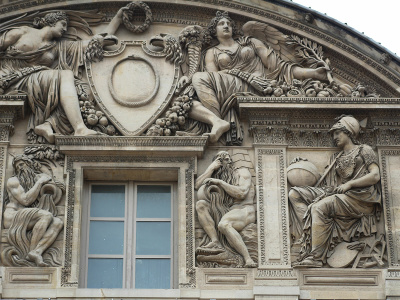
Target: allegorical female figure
219, 79
36, 61
344, 209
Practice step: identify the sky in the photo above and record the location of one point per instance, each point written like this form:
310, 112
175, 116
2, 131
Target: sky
378, 20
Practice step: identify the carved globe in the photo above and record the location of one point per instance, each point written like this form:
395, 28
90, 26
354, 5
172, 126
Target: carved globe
303, 173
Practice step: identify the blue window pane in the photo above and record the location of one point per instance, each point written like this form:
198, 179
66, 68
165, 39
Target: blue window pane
153, 273
154, 201
106, 237
107, 201
153, 238
105, 273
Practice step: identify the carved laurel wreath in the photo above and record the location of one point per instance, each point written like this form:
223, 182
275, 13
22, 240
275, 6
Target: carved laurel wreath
127, 20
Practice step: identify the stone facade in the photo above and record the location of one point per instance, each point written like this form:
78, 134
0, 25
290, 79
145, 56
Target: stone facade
204, 149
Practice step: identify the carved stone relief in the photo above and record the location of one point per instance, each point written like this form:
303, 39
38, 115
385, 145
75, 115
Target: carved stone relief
335, 217
218, 64
33, 210
226, 211
42, 57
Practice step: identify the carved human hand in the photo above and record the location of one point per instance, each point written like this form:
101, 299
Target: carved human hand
343, 188
211, 181
215, 165
183, 82
43, 178
122, 11
297, 159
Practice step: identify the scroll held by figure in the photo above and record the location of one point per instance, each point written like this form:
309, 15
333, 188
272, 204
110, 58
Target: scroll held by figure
41, 55
227, 214
30, 216
334, 222
219, 64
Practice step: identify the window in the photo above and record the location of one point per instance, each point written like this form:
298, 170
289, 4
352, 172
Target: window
128, 236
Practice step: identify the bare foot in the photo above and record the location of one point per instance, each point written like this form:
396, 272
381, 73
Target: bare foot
219, 128
181, 133
308, 262
249, 263
210, 248
87, 132
36, 258
45, 131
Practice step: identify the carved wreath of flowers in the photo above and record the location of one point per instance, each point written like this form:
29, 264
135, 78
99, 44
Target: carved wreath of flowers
128, 17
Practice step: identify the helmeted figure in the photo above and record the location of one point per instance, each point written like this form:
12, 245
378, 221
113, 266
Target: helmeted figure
346, 207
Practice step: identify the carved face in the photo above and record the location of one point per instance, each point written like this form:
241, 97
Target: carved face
224, 28
20, 165
59, 28
225, 158
340, 138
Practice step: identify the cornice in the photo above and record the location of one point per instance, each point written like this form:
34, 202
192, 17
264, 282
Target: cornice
159, 145
248, 104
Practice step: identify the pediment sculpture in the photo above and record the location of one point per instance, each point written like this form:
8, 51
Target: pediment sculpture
44, 56
220, 62
41, 55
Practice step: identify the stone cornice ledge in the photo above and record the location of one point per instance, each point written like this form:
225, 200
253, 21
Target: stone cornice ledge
13, 103
184, 145
247, 103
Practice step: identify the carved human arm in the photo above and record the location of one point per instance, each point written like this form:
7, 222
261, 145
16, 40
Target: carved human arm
238, 192
26, 198
215, 165
115, 22
11, 37
367, 180
106, 38
209, 61
271, 61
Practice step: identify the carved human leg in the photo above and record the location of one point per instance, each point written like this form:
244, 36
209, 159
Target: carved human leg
45, 229
70, 103
208, 224
202, 114
299, 200
298, 207
338, 218
209, 110
230, 225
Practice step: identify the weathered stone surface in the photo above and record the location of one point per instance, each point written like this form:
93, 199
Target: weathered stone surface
178, 84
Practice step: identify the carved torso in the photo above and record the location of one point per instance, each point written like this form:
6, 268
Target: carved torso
241, 56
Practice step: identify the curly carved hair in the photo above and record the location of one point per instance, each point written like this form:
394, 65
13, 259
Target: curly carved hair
50, 19
212, 26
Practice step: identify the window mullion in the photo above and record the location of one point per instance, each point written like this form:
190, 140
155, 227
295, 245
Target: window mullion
133, 263
172, 238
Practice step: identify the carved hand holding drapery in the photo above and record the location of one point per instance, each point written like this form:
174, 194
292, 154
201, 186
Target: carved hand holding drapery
217, 65
226, 212
335, 221
30, 215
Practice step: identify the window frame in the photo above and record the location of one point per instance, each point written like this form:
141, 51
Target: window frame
129, 256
